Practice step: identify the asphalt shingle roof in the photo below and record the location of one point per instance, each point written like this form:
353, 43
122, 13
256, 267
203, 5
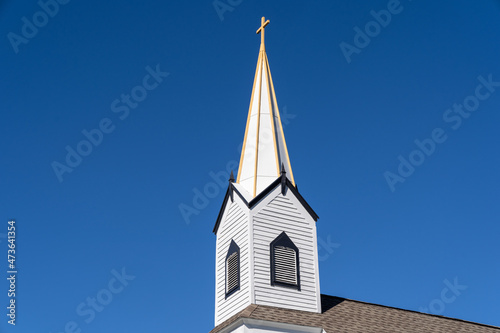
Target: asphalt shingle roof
342, 315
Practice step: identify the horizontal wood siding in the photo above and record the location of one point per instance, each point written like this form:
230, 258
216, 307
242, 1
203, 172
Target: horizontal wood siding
234, 227
278, 216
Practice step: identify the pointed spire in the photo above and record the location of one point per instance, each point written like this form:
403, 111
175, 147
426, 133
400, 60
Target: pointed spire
264, 147
231, 178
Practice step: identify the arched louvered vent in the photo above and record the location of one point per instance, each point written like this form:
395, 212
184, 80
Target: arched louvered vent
285, 262
232, 269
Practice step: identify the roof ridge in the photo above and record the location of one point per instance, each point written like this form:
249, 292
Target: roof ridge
414, 311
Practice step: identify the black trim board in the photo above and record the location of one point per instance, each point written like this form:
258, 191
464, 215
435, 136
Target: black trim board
260, 196
222, 209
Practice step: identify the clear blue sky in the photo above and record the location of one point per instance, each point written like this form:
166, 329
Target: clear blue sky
347, 124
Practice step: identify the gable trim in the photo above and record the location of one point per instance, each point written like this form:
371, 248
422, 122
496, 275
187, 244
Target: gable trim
279, 181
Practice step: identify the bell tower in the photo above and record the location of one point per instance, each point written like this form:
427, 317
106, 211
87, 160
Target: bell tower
266, 250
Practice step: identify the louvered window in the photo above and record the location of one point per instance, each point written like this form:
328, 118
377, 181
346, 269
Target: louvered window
232, 269
232, 272
285, 265
284, 262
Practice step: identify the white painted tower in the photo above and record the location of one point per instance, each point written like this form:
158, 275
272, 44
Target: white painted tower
266, 252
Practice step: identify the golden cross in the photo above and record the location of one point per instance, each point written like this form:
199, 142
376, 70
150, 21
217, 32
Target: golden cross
263, 24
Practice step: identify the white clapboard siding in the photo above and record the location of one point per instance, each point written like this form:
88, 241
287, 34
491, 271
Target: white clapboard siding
282, 214
234, 226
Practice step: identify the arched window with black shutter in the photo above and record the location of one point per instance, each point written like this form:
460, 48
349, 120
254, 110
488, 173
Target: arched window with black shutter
232, 269
284, 262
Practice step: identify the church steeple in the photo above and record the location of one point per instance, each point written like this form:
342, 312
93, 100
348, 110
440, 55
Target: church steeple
266, 252
264, 148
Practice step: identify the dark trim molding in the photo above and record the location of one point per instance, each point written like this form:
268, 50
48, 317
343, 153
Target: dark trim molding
281, 180
264, 193
222, 209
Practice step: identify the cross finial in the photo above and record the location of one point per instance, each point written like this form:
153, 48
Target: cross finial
260, 31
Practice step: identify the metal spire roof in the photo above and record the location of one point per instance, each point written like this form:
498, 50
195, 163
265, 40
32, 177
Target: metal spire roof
264, 149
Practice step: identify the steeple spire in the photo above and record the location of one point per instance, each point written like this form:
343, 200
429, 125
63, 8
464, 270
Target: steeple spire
264, 147
266, 250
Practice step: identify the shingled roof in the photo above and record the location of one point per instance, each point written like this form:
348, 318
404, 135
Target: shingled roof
349, 316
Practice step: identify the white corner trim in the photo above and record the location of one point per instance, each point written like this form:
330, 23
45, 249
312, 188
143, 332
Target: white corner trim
251, 250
